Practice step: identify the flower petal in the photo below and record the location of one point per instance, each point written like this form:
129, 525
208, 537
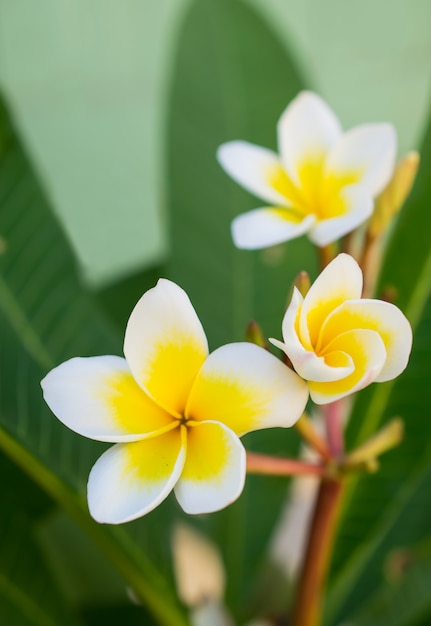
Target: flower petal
369, 149
383, 317
306, 362
262, 228
358, 205
254, 168
214, 471
165, 345
340, 280
307, 130
98, 397
246, 388
131, 479
366, 349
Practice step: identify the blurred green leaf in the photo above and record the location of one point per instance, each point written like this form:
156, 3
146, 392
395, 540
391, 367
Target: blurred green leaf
29, 594
232, 80
392, 507
405, 601
45, 317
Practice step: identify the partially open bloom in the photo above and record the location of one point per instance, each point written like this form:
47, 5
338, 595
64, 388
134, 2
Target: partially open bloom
175, 413
322, 183
339, 342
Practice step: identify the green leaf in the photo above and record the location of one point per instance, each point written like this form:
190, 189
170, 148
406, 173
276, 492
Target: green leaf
45, 317
232, 80
405, 601
29, 594
378, 514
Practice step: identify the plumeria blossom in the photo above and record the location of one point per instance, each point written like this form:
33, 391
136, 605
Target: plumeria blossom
322, 182
174, 412
339, 342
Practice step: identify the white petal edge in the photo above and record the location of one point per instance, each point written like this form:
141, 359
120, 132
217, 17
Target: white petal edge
262, 228
361, 207
265, 384
74, 393
206, 496
307, 128
112, 499
163, 314
369, 149
250, 166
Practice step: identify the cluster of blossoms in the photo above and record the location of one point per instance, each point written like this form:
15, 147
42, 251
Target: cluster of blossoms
175, 412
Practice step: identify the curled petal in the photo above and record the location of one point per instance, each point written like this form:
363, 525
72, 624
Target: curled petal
367, 351
370, 150
164, 342
262, 228
306, 362
340, 280
214, 471
252, 167
246, 388
98, 397
310, 366
131, 479
358, 205
307, 130
383, 317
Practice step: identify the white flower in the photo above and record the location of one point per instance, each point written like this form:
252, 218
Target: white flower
322, 183
339, 342
174, 412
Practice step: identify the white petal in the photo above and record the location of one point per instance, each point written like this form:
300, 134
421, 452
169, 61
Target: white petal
340, 280
131, 479
247, 388
370, 150
307, 130
98, 397
214, 471
165, 345
262, 228
359, 205
252, 167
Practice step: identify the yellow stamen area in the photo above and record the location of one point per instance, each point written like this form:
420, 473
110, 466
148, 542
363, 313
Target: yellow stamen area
132, 410
318, 193
235, 403
170, 371
153, 460
208, 451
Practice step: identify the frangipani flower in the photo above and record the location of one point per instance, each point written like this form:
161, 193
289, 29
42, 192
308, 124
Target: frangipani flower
323, 181
175, 413
339, 342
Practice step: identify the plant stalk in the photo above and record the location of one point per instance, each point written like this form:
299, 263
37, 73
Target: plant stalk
276, 466
307, 609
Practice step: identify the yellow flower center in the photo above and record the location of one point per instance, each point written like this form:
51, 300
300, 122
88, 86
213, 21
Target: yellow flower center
318, 193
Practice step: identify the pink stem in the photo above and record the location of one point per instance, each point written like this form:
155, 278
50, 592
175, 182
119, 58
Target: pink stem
334, 414
276, 466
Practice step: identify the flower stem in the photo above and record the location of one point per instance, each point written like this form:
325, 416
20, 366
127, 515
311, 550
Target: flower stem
334, 413
307, 431
276, 466
307, 608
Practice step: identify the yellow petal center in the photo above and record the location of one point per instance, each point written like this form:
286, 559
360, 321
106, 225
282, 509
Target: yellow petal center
317, 193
